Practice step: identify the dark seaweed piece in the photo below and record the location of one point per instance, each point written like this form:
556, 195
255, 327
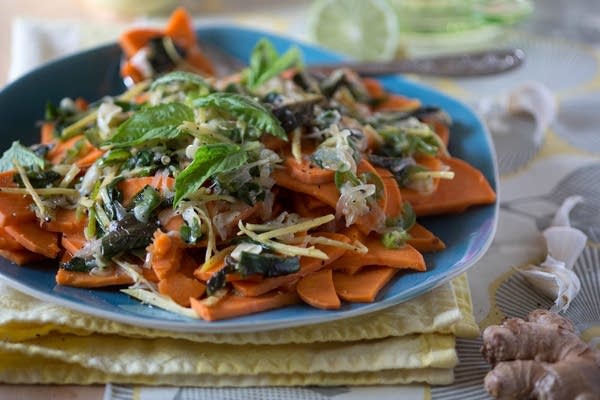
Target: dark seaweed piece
340, 78
396, 165
266, 264
292, 115
38, 179
41, 150
307, 82
78, 264
126, 234
218, 280
159, 58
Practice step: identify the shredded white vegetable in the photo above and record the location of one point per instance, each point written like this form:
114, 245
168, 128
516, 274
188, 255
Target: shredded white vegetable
285, 249
160, 301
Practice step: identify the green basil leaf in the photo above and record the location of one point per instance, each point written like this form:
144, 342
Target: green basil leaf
265, 63
209, 160
186, 79
245, 109
158, 123
145, 202
23, 155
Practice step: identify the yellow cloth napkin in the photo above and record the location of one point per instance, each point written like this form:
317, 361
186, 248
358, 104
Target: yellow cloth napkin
411, 342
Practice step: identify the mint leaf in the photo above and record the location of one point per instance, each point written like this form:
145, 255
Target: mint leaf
245, 109
158, 123
266, 63
209, 160
23, 155
184, 78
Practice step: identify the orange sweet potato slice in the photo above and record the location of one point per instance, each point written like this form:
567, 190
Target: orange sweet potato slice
73, 242
424, 240
406, 257
468, 188
317, 290
133, 40
235, 306
181, 288
166, 252
363, 286
15, 209
396, 102
21, 257
65, 220
307, 172
35, 239
112, 277
7, 242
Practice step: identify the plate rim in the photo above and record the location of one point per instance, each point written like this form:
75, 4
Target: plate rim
230, 326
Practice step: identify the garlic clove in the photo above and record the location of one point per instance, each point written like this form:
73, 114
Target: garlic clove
565, 244
561, 218
555, 282
537, 100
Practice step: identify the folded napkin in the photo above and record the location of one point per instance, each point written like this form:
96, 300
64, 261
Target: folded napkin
412, 342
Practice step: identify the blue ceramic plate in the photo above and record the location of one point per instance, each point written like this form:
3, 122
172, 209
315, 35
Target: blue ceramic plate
95, 73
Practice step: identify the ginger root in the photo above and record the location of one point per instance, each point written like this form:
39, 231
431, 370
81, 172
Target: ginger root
540, 358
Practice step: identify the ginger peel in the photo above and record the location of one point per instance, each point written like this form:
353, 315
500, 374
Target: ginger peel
540, 358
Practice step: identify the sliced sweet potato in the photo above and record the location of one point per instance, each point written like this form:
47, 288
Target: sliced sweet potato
7, 242
35, 239
65, 220
363, 286
166, 252
15, 209
47, 133
129, 188
133, 40
374, 88
393, 204
317, 290
181, 288
21, 257
424, 240
370, 221
405, 257
90, 156
73, 242
326, 192
307, 172
180, 28
396, 102
235, 306
7, 179
112, 277
468, 188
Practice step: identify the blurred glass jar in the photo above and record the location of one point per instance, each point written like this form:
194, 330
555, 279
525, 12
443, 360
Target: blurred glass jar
438, 16
134, 8
434, 26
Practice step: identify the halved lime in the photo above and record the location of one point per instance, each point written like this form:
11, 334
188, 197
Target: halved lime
363, 29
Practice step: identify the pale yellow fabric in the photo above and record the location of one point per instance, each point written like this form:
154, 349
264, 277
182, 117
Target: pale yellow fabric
411, 342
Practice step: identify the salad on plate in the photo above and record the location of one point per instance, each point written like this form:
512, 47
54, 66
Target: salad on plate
219, 197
